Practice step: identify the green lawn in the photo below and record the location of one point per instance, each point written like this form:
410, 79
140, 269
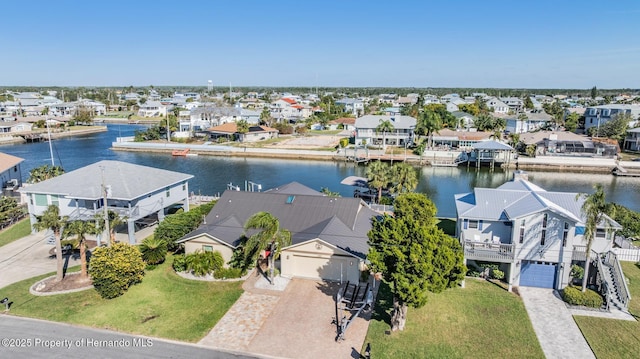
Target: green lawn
611, 338
479, 321
15, 232
163, 305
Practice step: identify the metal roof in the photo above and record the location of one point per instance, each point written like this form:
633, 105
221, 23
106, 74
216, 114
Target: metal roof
492, 145
127, 181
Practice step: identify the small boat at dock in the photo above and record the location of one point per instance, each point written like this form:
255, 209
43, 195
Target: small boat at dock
180, 152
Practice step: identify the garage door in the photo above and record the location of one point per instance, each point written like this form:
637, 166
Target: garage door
538, 274
333, 268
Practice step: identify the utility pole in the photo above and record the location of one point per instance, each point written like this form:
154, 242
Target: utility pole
106, 211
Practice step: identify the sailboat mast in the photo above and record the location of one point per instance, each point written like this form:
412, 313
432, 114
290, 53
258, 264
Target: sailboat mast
53, 164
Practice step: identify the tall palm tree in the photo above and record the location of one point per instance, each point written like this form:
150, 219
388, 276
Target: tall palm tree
405, 178
379, 176
593, 209
242, 127
81, 229
384, 127
114, 221
269, 235
51, 219
428, 123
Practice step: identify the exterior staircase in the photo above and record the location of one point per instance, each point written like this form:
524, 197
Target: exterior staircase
614, 285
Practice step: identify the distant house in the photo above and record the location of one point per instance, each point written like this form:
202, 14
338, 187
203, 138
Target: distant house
632, 140
201, 118
348, 123
329, 235
401, 135
533, 235
230, 132
10, 174
463, 120
515, 104
596, 116
497, 105
462, 140
136, 193
352, 106
533, 121
152, 109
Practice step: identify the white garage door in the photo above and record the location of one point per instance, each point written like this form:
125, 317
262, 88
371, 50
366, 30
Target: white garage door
333, 268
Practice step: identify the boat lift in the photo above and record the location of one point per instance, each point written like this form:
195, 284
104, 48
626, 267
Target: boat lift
350, 301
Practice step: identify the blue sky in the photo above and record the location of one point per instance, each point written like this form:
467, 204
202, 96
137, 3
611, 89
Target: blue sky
509, 44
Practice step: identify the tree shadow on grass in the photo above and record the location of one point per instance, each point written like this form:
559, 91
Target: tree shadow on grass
384, 304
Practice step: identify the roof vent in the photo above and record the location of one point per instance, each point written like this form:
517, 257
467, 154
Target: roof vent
290, 199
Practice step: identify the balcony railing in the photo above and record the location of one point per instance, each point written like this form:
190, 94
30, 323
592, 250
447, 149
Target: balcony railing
579, 253
488, 251
90, 213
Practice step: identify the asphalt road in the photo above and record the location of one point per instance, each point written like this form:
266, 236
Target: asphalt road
31, 338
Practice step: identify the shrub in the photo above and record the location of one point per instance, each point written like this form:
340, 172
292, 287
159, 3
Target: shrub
473, 273
497, 274
179, 263
150, 267
577, 272
344, 142
175, 226
202, 263
114, 269
575, 296
153, 250
226, 273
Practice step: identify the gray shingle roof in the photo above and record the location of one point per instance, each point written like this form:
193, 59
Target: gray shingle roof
342, 222
127, 181
492, 145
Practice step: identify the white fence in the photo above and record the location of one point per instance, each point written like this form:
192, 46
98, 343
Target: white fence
627, 255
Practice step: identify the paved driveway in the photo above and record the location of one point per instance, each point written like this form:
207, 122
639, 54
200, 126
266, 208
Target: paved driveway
557, 332
26, 258
293, 323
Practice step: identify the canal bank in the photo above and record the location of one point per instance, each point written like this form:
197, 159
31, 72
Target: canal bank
541, 163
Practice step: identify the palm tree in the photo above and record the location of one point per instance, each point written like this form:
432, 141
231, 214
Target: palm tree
379, 176
429, 122
43, 173
269, 235
384, 127
50, 219
114, 221
153, 250
242, 127
593, 209
81, 229
405, 178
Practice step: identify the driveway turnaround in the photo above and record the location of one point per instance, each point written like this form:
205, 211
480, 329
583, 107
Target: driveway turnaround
557, 332
292, 321
26, 258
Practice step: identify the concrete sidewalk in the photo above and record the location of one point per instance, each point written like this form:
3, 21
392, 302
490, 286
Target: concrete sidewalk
26, 258
557, 332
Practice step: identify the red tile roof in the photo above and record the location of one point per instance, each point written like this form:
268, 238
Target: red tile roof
289, 100
345, 120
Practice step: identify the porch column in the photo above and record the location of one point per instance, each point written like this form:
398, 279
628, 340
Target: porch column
512, 269
131, 231
161, 211
186, 200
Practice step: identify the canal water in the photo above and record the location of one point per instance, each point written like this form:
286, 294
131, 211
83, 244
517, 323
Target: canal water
213, 173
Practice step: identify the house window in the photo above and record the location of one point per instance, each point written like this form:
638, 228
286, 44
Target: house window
168, 191
207, 248
55, 201
473, 224
543, 234
184, 186
522, 231
465, 223
601, 233
565, 234
41, 200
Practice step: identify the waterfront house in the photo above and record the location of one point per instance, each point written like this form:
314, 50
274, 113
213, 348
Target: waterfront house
563, 143
533, 235
462, 140
329, 234
10, 174
402, 133
152, 109
534, 121
229, 131
348, 124
138, 194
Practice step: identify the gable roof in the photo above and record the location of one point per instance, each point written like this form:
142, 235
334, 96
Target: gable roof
127, 181
8, 161
295, 188
342, 222
492, 145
